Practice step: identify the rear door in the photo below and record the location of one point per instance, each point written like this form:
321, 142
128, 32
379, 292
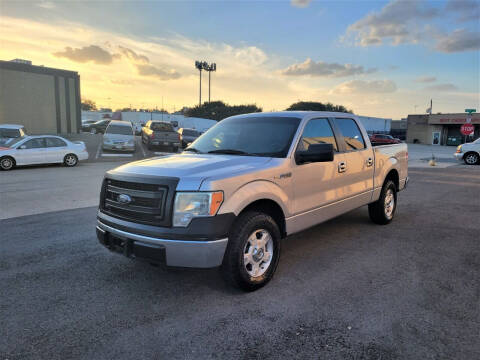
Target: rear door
31, 152
56, 150
358, 166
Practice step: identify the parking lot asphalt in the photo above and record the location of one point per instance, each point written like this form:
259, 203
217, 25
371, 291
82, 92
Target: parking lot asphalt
346, 289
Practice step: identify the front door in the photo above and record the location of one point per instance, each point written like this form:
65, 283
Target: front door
31, 152
436, 138
316, 184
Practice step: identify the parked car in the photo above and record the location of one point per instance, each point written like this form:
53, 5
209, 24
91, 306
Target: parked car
119, 135
381, 139
137, 127
45, 149
187, 136
160, 133
469, 152
96, 127
86, 125
10, 132
234, 193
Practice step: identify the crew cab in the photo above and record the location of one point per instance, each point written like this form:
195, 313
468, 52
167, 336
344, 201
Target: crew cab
469, 152
160, 133
251, 180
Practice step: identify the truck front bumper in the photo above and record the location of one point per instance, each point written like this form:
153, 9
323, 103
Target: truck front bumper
179, 253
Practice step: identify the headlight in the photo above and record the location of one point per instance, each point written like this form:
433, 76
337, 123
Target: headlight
459, 148
189, 205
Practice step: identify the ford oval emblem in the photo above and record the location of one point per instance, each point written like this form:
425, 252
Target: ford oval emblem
124, 199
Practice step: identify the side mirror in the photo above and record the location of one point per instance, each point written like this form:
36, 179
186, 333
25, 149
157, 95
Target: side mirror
23, 147
315, 153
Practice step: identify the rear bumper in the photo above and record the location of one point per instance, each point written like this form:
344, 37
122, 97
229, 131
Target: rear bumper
118, 147
181, 253
157, 142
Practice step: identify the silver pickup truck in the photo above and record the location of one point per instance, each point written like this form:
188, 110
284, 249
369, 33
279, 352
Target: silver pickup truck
251, 180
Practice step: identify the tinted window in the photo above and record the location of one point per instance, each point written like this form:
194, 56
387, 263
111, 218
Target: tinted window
55, 142
119, 129
158, 126
317, 131
35, 144
189, 132
351, 134
10, 133
262, 136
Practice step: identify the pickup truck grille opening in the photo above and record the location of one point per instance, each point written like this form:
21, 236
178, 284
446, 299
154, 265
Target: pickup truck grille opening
131, 201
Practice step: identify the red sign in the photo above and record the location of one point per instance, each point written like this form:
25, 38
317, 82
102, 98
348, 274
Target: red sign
467, 129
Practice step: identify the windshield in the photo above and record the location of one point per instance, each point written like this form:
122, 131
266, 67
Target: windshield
119, 129
261, 136
477, 141
161, 127
9, 133
10, 142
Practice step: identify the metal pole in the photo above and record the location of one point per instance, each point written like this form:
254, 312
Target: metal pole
209, 86
200, 100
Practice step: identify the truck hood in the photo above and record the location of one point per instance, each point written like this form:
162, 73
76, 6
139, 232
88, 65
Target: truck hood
192, 169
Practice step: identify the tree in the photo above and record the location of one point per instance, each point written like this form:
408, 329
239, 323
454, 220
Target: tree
317, 106
218, 110
89, 105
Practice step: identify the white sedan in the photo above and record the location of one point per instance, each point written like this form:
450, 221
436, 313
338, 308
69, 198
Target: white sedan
45, 149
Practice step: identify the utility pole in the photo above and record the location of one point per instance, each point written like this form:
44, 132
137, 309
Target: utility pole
199, 66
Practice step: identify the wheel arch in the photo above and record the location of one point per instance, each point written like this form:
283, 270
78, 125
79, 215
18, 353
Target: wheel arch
11, 157
271, 208
393, 175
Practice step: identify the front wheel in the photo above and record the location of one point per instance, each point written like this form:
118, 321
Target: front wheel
382, 211
253, 251
70, 160
471, 158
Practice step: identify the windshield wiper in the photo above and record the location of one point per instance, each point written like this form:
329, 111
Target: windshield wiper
192, 149
228, 151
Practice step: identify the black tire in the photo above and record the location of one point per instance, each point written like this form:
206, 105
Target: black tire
471, 158
7, 163
70, 160
379, 211
234, 269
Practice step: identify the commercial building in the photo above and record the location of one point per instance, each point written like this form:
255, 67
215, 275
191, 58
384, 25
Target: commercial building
441, 129
44, 100
399, 129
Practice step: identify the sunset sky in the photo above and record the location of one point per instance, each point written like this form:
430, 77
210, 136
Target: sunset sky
379, 58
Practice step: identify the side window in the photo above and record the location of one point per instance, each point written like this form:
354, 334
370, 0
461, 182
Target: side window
351, 134
55, 142
35, 143
317, 131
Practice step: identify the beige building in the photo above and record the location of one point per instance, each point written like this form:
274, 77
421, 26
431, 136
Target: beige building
441, 129
44, 100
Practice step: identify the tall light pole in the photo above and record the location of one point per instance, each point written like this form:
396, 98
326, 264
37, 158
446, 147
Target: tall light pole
203, 65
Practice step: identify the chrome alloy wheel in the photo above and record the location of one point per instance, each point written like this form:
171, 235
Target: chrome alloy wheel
7, 163
258, 253
70, 160
471, 159
389, 203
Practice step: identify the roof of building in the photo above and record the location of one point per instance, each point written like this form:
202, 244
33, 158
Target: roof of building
15, 66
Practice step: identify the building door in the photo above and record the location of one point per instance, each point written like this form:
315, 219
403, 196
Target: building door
436, 138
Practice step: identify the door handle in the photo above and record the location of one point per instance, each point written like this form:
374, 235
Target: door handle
342, 166
369, 161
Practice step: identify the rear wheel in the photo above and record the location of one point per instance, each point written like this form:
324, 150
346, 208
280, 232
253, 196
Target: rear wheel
471, 158
382, 211
7, 163
70, 160
253, 251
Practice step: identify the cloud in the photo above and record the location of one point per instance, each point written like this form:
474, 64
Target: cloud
466, 10
442, 87
162, 74
458, 41
46, 5
85, 54
425, 79
320, 68
394, 23
362, 86
133, 56
300, 3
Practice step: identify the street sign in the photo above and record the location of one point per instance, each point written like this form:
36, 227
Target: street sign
470, 111
467, 129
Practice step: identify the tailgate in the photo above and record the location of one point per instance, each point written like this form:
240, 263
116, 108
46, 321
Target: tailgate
171, 136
